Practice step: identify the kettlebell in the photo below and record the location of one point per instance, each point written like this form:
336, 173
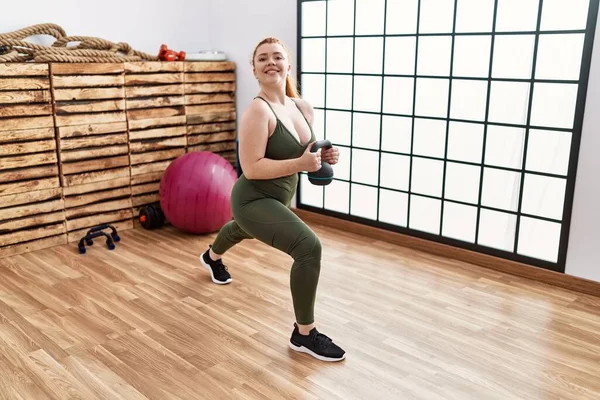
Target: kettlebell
324, 175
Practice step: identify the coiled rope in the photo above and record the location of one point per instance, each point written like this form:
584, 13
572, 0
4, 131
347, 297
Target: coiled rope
14, 48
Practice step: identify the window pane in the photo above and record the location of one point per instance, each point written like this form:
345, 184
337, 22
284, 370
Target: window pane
472, 56
497, 230
340, 18
554, 105
396, 134
313, 51
559, 57
318, 124
398, 95
474, 15
425, 214
370, 17
363, 201
517, 15
513, 56
401, 16
460, 222
400, 55
338, 127
465, 142
313, 18
337, 196
564, 15
549, 151
427, 176
437, 16
312, 87
395, 171
368, 56
341, 170
501, 189
432, 97
339, 55
339, 91
367, 93
504, 146
393, 207
462, 182
539, 239
469, 99
434, 55
543, 196
509, 102
365, 166
365, 130
311, 195
429, 137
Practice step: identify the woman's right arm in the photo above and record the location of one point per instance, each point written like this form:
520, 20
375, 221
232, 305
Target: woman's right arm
253, 136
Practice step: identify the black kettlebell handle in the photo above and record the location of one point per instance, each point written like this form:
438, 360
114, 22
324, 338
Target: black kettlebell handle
320, 144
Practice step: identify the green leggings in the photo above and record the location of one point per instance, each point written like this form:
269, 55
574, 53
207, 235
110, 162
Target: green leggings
264, 215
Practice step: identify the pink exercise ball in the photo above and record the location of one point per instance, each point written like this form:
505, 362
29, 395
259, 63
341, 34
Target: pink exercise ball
195, 192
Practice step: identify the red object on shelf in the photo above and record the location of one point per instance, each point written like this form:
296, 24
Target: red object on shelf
166, 54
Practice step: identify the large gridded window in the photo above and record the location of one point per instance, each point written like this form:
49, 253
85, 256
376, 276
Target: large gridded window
457, 121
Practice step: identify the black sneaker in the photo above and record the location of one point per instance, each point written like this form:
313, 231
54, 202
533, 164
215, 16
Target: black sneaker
218, 271
317, 345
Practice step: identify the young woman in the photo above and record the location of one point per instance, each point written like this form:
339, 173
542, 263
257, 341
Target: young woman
275, 138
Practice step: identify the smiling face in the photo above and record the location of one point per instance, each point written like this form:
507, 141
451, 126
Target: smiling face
271, 64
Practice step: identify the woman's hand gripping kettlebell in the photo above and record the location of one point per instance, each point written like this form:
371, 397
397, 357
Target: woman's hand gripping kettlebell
323, 175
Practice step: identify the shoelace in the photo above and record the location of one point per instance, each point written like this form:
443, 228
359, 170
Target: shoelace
221, 267
322, 340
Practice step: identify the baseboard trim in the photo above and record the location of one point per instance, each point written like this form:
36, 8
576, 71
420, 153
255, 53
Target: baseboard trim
564, 281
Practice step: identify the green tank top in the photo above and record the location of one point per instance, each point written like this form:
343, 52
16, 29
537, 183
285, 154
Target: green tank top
281, 145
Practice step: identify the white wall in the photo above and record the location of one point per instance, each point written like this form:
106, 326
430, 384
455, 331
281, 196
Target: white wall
583, 256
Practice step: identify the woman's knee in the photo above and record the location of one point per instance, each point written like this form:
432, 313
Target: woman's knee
308, 247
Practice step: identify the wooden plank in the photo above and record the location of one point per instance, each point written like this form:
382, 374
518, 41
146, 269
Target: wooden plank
76, 155
89, 94
70, 81
95, 165
76, 235
150, 167
191, 88
96, 208
87, 106
23, 69
22, 174
96, 196
25, 110
29, 147
31, 209
31, 234
12, 124
210, 77
138, 201
191, 99
95, 176
211, 138
33, 245
28, 186
213, 147
104, 218
95, 186
209, 108
28, 160
145, 79
32, 221
24, 83
29, 197
84, 119
210, 128
156, 156
93, 141
157, 144
153, 66
210, 118
25, 96
91, 129
209, 66
153, 113
165, 101
26, 135
149, 91
146, 188
158, 132
87, 68
145, 178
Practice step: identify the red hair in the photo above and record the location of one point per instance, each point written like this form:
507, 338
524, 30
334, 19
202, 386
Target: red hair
291, 89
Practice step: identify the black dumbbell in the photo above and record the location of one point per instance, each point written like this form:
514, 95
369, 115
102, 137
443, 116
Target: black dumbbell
324, 175
151, 217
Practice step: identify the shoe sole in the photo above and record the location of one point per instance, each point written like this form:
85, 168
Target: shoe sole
302, 349
212, 276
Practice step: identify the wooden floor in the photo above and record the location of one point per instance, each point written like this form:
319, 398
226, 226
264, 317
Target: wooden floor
145, 322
